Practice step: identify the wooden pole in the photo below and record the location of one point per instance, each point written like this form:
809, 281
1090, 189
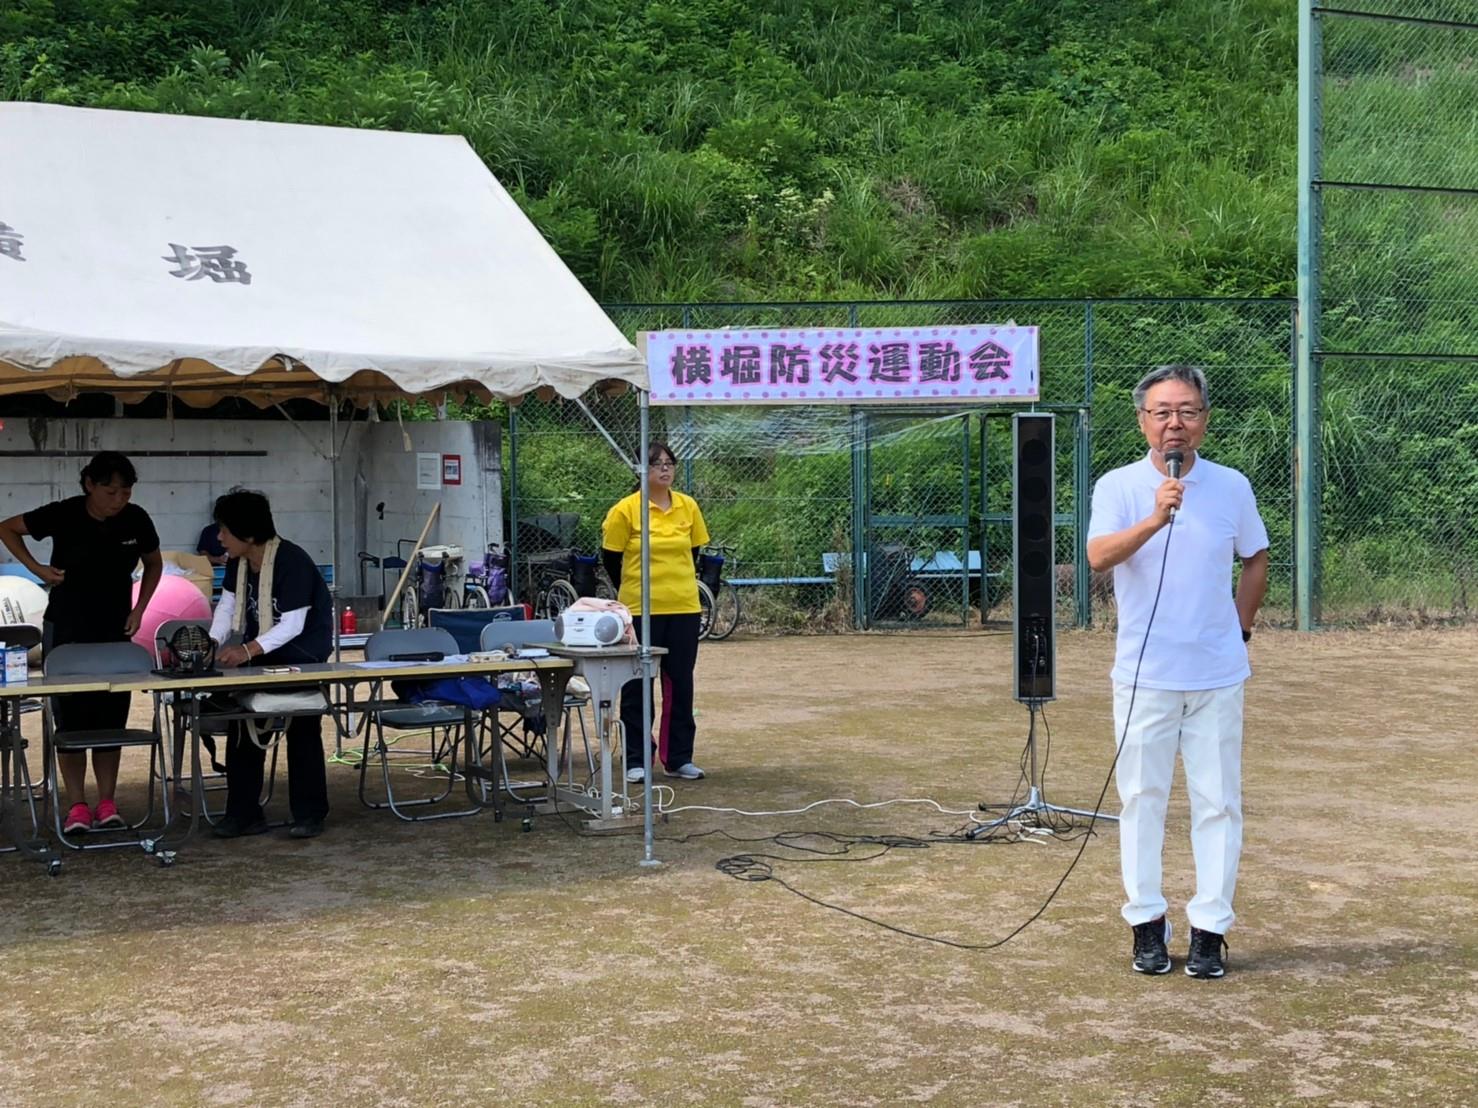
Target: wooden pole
409, 564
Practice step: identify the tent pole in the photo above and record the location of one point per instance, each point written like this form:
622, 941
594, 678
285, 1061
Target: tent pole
647, 669
333, 509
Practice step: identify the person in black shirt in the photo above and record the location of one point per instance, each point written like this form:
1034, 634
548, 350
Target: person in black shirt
98, 539
209, 544
276, 601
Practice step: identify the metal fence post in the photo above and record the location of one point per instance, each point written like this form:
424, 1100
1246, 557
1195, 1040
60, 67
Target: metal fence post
1083, 479
1306, 577
859, 518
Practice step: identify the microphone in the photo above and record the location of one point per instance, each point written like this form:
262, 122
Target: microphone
1173, 461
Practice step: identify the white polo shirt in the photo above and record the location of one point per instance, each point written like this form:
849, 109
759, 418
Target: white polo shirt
1196, 641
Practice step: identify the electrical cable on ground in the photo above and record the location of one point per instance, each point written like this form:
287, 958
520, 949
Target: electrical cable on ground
757, 867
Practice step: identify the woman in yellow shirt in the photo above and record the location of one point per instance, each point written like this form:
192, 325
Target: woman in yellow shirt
678, 531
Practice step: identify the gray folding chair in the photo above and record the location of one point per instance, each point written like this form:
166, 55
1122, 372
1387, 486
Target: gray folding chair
449, 726
524, 739
175, 723
18, 795
104, 659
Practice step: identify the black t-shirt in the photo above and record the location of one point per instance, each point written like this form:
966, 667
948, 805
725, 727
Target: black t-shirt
209, 543
99, 557
296, 583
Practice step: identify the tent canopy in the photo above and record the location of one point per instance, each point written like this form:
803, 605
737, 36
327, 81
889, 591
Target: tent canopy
216, 257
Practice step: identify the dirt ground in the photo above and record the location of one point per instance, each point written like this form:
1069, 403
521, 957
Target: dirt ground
470, 962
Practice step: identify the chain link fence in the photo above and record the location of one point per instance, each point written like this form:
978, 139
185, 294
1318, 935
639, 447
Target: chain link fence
924, 493
1397, 313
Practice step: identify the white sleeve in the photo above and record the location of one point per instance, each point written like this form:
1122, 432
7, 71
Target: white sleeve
1108, 515
220, 622
1252, 534
289, 627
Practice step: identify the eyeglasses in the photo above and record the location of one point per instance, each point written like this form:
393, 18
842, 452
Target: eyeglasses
661, 465
1186, 415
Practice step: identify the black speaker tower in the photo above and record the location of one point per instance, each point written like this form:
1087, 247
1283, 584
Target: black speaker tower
1033, 626
1034, 558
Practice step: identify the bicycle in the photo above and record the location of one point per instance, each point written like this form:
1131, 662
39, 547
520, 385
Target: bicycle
718, 601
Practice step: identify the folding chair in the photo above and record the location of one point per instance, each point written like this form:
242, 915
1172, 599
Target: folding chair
448, 725
174, 722
17, 793
524, 739
265, 714
466, 624
99, 659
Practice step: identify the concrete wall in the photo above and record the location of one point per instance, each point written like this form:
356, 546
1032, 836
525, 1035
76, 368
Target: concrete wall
381, 504
185, 464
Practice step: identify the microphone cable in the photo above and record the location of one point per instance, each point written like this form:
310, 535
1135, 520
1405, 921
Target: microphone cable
1108, 779
752, 868
1118, 749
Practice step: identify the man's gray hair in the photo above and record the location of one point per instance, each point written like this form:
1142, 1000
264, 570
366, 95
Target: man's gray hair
1189, 374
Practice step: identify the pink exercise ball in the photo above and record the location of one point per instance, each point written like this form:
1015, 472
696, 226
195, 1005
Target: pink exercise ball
175, 598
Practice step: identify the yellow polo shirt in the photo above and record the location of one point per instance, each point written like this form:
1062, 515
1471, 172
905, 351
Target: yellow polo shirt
674, 534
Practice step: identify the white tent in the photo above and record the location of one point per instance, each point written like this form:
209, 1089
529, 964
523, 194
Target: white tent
215, 257
206, 258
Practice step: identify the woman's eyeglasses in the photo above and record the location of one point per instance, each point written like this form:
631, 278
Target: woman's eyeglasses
661, 465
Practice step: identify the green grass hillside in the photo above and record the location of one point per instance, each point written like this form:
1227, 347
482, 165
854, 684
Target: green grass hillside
774, 149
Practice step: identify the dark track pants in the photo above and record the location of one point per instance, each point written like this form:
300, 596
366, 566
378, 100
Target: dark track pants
676, 728
307, 771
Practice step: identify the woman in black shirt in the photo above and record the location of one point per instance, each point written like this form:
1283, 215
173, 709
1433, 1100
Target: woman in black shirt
98, 539
275, 600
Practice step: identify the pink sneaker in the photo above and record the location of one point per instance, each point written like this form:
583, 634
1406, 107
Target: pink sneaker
79, 818
107, 815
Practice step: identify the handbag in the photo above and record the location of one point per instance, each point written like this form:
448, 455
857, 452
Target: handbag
277, 703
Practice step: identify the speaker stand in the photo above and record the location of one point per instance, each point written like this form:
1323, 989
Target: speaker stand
1032, 810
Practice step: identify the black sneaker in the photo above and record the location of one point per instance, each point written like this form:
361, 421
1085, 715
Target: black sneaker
1150, 953
307, 829
1205, 957
233, 827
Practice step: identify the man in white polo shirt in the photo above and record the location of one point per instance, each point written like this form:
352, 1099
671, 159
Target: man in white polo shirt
1181, 659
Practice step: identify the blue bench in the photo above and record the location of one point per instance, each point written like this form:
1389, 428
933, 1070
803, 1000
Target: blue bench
944, 563
755, 582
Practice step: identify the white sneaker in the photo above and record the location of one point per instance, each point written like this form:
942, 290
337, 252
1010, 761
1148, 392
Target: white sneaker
635, 775
688, 772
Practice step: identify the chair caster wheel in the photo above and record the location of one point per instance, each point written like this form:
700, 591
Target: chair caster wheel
497, 817
528, 824
53, 867
166, 858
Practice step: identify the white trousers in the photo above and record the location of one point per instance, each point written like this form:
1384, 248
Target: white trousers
1206, 727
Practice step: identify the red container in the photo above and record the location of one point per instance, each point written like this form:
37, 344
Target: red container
348, 623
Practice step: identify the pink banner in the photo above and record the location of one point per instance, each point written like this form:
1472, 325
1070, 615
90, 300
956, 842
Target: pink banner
897, 365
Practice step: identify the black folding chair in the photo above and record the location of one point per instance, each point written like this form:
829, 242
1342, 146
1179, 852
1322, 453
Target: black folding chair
174, 721
528, 736
448, 725
104, 659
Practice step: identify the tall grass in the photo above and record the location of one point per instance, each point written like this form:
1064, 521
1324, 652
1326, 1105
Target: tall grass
773, 148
